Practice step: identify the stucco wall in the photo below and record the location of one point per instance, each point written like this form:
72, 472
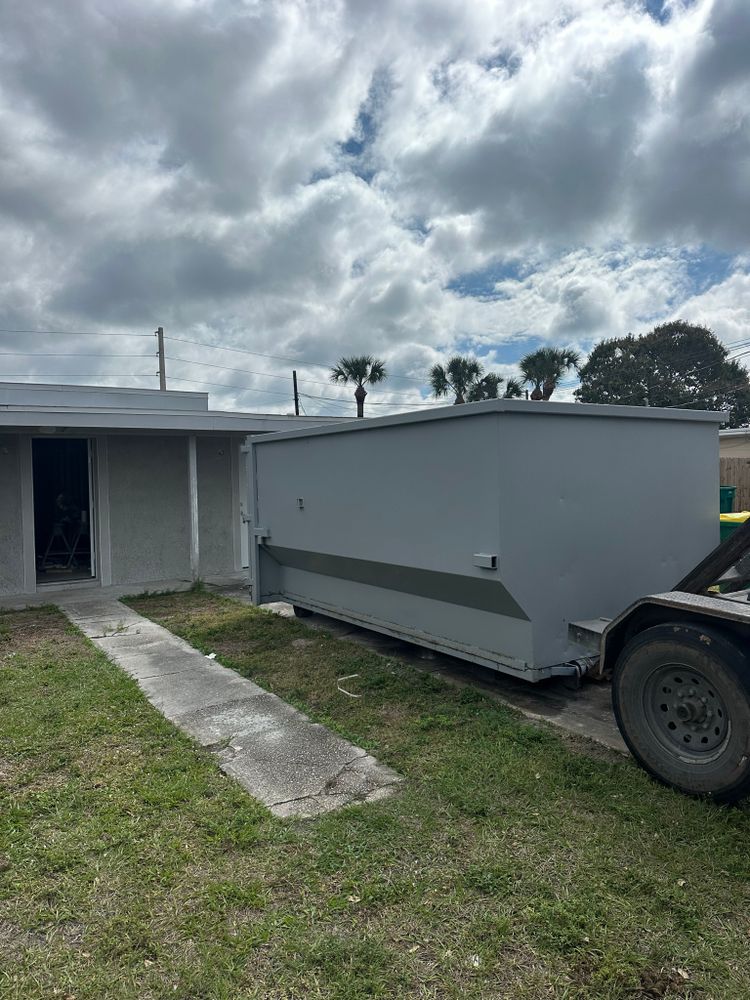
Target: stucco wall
215, 506
11, 538
149, 511
148, 500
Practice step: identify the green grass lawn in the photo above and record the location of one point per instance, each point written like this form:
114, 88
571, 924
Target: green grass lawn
511, 863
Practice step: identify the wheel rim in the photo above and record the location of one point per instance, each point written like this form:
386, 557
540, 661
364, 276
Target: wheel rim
686, 712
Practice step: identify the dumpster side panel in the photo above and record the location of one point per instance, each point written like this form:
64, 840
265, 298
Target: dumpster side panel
386, 528
607, 510
486, 529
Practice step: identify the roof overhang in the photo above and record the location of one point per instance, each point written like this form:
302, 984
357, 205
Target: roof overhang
63, 420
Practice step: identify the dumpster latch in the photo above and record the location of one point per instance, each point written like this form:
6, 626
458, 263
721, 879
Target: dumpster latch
485, 561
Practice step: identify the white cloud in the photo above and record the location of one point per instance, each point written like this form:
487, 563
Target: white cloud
305, 180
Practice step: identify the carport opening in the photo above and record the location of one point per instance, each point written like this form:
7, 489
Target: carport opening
62, 510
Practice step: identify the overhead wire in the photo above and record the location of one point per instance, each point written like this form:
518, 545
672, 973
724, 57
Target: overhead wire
248, 371
43, 354
275, 357
734, 353
76, 333
731, 346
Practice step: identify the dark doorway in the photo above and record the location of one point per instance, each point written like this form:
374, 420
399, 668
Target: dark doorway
62, 509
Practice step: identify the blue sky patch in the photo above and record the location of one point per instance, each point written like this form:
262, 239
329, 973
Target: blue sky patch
482, 284
707, 268
504, 59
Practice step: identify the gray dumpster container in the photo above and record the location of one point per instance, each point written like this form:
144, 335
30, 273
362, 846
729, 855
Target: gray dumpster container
483, 530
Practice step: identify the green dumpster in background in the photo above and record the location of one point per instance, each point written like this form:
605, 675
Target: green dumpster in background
730, 522
726, 499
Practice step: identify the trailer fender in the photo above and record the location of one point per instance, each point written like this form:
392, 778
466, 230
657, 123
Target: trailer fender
731, 617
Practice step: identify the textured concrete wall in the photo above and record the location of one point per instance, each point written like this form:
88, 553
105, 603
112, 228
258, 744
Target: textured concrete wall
148, 499
215, 506
149, 511
11, 538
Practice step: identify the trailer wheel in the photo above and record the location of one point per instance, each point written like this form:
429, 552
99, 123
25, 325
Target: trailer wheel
301, 612
681, 698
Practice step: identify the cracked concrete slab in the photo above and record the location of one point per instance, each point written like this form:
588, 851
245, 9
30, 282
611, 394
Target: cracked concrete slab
296, 767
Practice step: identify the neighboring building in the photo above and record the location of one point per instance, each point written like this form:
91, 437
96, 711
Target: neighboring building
735, 443
734, 465
104, 486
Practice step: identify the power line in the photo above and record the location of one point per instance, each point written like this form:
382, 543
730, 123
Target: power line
731, 347
328, 399
248, 371
77, 333
377, 402
275, 357
77, 375
42, 354
224, 385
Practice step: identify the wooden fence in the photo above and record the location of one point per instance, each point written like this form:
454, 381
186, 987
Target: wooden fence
736, 472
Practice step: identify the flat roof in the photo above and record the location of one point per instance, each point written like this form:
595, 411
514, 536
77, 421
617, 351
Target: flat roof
48, 408
74, 396
514, 406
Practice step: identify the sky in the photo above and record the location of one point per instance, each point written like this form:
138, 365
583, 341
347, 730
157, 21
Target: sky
278, 184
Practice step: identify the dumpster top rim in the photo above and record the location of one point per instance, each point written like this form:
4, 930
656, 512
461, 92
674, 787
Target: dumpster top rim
506, 406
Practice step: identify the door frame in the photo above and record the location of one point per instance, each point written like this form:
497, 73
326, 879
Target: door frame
31, 583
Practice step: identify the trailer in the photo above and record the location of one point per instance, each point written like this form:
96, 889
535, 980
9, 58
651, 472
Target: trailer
512, 534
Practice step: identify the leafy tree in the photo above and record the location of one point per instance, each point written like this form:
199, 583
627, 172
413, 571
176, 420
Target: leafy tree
676, 364
361, 371
544, 368
466, 379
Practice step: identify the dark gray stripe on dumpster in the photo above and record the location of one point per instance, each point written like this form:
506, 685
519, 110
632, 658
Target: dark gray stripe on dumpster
467, 591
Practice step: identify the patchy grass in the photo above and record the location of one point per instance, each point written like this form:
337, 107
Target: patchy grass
506, 867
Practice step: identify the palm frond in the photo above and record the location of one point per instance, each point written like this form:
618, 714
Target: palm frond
357, 369
487, 387
439, 380
378, 371
513, 389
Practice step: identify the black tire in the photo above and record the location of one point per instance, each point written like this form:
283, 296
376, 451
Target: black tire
681, 698
301, 612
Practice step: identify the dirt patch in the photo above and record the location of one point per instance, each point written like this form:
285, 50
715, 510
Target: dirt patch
14, 940
10, 771
236, 648
303, 643
34, 631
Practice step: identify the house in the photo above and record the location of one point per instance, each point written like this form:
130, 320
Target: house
122, 487
734, 453
734, 443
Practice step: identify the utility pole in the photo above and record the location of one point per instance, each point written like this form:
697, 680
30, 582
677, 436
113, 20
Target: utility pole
162, 373
296, 394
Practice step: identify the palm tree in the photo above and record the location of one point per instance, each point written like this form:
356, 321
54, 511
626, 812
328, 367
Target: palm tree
458, 377
513, 389
362, 370
544, 368
464, 377
488, 387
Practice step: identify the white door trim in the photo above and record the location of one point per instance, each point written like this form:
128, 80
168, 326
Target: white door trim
26, 464
101, 513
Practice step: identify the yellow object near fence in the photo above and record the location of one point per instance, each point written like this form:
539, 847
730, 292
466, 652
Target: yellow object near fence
730, 522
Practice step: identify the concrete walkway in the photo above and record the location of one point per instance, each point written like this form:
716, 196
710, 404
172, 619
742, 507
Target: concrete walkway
294, 766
